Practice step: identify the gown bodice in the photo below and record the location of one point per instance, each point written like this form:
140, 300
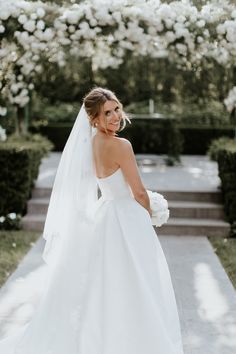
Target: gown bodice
114, 186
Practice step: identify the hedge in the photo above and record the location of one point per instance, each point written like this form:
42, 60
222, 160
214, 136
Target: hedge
223, 151
20, 159
151, 136
160, 137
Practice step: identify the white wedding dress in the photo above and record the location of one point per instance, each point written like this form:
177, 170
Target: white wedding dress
124, 304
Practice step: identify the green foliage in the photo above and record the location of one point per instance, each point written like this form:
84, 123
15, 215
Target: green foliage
13, 246
45, 112
194, 95
211, 113
197, 139
219, 144
57, 133
224, 152
150, 136
20, 160
225, 249
147, 136
10, 222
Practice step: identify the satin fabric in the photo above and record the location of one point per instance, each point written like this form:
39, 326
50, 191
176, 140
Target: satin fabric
123, 304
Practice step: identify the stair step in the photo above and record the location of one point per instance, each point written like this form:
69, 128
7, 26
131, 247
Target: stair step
189, 209
33, 222
174, 226
201, 196
194, 196
178, 209
184, 226
41, 192
38, 205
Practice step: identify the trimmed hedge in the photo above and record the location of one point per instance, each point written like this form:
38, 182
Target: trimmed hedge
151, 136
197, 140
224, 152
20, 159
147, 136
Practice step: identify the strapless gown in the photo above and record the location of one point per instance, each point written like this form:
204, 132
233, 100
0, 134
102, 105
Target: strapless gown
129, 304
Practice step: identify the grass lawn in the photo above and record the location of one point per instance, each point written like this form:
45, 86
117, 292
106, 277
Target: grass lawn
225, 248
13, 246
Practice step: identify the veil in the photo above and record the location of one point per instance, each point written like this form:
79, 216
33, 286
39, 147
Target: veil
74, 193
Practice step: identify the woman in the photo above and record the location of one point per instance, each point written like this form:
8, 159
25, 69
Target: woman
109, 289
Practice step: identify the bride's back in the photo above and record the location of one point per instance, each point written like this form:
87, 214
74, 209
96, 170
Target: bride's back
104, 151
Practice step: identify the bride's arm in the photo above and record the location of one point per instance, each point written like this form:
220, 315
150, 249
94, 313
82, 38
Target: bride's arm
125, 157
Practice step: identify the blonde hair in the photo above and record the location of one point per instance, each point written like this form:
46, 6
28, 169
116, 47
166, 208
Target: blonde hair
95, 99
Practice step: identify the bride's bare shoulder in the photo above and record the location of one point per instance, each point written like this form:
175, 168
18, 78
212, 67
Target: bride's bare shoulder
122, 143
122, 147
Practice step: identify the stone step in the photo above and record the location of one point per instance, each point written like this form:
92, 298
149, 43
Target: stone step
194, 196
200, 196
201, 210
39, 192
37, 205
34, 222
178, 209
174, 226
184, 226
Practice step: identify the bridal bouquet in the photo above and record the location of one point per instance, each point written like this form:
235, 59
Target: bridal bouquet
159, 207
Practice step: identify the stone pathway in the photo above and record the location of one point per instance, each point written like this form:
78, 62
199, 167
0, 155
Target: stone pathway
195, 173
191, 189
205, 296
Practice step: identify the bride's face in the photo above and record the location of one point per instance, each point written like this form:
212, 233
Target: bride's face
111, 114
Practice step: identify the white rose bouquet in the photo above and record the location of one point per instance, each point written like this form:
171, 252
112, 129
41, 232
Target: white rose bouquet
159, 208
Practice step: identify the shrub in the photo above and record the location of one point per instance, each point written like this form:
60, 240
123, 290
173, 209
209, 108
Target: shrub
224, 152
20, 158
10, 222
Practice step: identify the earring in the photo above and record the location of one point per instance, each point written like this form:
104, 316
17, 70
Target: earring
96, 124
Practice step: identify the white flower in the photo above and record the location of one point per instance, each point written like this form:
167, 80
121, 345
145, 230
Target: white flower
40, 12
3, 111
220, 29
71, 29
40, 25
201, 23
182, 49
2, 219
161, 218
159, 208
15, 87
48, 34
22, 19
33, 16
29, 26
4, 14
2, 29
72, 17
200, 39
230, 100
12, 216
3, 135
170, 36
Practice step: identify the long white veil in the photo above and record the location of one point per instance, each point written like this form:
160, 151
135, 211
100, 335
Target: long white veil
74, 192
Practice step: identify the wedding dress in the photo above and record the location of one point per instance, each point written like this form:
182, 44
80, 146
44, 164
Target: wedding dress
124, 303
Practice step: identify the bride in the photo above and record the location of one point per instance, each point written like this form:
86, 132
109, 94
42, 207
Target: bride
108, 288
